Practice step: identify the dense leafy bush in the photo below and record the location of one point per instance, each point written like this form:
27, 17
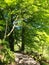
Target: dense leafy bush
6, 56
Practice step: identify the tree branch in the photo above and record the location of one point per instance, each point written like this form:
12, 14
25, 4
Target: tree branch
10, 31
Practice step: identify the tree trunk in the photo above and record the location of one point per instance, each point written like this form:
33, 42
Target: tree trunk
23, 39
11, 38
11, 42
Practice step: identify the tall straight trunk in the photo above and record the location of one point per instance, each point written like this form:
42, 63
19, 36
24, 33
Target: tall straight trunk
11, 38
23, 39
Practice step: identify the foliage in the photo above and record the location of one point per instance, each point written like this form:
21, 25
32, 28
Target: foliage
6, 56
31, 16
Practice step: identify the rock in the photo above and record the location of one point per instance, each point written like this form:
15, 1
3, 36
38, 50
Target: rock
25, 60
18, 55
17, 60
25, 56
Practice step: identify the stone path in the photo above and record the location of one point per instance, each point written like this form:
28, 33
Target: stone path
22, 59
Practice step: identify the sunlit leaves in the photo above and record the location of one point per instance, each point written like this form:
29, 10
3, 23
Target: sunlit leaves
2, 24
10, 2
35, 20
2, 4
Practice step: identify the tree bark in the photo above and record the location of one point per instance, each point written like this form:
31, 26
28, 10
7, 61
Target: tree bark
23, 39
11, 38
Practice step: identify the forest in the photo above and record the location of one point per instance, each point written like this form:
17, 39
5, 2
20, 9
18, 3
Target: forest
24, 32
